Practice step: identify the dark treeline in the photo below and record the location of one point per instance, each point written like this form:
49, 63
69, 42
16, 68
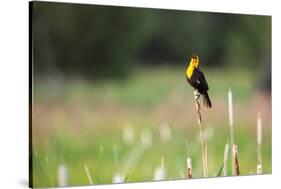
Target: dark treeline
106, 41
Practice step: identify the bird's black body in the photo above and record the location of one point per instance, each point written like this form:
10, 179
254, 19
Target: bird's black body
198, 82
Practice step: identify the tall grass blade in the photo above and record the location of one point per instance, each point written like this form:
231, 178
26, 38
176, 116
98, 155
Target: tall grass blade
220, 170
49, 171
88, 174
225, 159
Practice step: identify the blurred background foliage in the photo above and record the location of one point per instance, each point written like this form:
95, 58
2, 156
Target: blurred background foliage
97, 42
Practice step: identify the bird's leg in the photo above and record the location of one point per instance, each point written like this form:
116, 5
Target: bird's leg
196, 95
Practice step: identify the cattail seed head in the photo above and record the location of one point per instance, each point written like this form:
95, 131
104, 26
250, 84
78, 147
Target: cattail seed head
230, 108
62, 175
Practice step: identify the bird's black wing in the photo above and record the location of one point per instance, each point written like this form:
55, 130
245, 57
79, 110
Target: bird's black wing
201, 78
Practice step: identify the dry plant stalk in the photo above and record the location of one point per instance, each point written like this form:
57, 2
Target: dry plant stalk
202, 134
189, 167
235, 159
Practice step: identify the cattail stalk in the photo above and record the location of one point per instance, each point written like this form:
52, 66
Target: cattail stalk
189, 167
88, 174
202, 135
259, 144
225, 159
235, 159
231, 123
206, 153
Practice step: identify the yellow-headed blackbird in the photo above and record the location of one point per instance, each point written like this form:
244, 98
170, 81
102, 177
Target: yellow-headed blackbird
196, 79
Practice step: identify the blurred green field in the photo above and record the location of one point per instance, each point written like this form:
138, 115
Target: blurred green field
77, 123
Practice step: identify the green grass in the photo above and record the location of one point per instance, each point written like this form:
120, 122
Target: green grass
74, 119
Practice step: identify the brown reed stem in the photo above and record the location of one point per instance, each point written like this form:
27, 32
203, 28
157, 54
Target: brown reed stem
202, 137
235, 159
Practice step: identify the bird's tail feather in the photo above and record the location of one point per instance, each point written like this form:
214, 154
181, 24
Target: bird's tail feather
206, 100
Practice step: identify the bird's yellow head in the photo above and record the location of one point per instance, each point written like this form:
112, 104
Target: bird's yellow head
194, 61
